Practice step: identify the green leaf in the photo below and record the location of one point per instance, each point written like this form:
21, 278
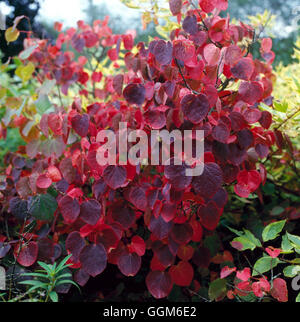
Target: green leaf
43, 104
217, 289
252, 238
53, 296
64, 275
264, 264
294, 239
36, 284
47, 87
247, 244
46, 267
286, 246
62, 265
27, 52
67, 282
42, 207
276, 211
35, 275
281, 106
291, 270
273, 230
298, 298
237, 232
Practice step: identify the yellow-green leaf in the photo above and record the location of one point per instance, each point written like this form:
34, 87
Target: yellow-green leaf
11, 34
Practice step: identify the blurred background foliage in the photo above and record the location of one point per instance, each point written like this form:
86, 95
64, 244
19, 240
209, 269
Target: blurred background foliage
284, 29
278, 19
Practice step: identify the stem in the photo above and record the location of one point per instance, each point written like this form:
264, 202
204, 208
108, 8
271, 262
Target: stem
183, 78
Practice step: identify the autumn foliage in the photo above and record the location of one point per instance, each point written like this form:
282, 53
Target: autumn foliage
147, 215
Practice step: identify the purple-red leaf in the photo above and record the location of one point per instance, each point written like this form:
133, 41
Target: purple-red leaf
69, 208
93, 259
80, 124
135, 94
114, 176
28, 254
90, 211
195, 108
159, 284
129, 263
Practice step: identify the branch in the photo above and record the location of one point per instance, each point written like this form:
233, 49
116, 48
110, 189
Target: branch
288, 118
217, 44
287, 190
184, 80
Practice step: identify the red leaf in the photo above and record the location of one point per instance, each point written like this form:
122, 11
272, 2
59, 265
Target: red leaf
114, 176
137, 245
209, 182
237, 121
55, 123
251, 92
252, 115
90, 211
81, 277
112, 54
159, 227
175, 6
137, 196
261, 287
245, 138
182, 274
93, 259
266, 44
28, 254
135, 94
129, 263
220, 198
182, 233
248, 180
209, 215
211, 54
273, 252
243, 69
43, 181
67, 170
69, 208
74, 244
118, 84
183, 50
279, 290
244, 275
168, 211
159, 284
262, 150
163, 52
80, 124
226, 271
123, 215
207, 5
53, 173
265, 119
233, 54
156, 119
185, 252
195, 108
221, 132
190, 25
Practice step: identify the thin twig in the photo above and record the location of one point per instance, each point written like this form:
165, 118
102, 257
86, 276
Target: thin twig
183, 78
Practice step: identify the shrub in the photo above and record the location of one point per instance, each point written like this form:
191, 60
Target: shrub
58, 198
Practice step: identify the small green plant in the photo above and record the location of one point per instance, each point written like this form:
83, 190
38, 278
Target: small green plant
48, 278
258, 281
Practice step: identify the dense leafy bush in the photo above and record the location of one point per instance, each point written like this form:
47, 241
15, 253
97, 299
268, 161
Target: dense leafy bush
152, 222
